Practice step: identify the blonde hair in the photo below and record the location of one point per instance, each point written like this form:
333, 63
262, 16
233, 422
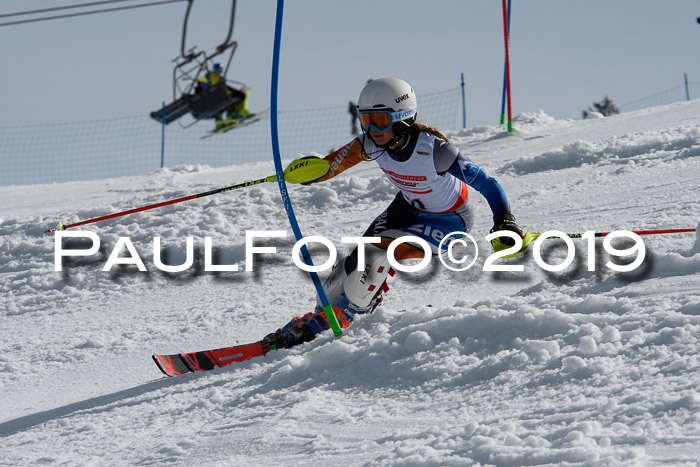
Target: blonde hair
431, 130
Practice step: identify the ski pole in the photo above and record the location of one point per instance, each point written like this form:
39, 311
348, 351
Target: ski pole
638, 232
530, 237
300, 171
61, 226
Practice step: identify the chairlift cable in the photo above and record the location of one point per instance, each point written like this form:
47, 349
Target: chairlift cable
46, 10
70, 15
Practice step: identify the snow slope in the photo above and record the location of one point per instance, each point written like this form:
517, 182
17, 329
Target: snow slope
456, 368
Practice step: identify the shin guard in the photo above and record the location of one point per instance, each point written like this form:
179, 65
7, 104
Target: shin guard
357, 289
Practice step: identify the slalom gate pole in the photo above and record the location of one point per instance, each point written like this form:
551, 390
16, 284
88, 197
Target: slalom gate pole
507, 71
271, 178
162, 140
503, 98
274, 130
464, 106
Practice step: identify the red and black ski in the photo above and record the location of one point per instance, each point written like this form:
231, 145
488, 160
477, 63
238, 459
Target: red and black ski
182, 363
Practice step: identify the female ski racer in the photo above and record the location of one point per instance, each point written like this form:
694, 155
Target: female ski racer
433, 201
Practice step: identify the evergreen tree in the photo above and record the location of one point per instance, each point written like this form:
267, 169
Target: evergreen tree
605, 107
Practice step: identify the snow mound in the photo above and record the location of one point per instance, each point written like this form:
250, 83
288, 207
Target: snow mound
645, 150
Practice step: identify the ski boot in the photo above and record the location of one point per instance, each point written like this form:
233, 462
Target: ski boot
293, 333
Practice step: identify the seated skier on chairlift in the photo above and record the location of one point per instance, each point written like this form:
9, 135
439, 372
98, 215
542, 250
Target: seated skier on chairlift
237, 111
202, 85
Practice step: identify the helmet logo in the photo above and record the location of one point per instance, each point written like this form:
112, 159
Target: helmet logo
401, 98
403, 115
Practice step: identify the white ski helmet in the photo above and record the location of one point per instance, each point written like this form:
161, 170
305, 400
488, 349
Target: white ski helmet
386, 102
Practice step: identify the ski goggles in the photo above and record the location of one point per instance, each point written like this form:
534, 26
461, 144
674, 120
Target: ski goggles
381, 120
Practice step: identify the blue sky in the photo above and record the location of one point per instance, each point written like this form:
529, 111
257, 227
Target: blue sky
564, 54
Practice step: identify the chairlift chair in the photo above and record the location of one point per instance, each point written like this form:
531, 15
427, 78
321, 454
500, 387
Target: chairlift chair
189, 67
